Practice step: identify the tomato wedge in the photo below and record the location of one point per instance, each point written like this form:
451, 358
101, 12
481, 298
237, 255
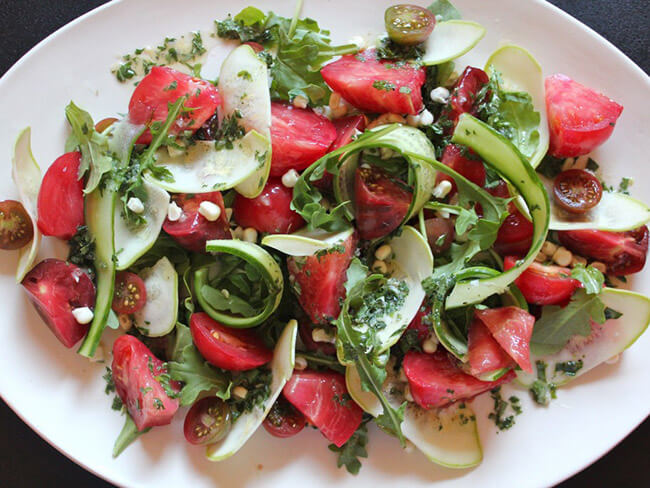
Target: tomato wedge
435, 381
162, 87
484, 353
192, 230
515, 235
61, 199
270, 211
226, 348
464, 95
323, 398
299, 137
16, 229
284, 420
544, 284
130, 293
512, 328
463, 161
381, 202
376, 86
577, 190
623, 252
319, 281
305, 330
579, 118
56, 288
136, 373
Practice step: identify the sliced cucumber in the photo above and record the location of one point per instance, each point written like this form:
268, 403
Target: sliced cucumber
27, 177
450, 40
244, 88
606, 340
262, 261
159, 314
504, 157
202, 168
306, 242
281, 365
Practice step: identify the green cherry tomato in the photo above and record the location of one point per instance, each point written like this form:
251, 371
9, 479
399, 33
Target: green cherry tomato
409, 24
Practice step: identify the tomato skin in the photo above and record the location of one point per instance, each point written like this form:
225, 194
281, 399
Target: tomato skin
130, 293
207, 421
193, 230
16, 229
323, 398
435, 380
299, 136
226, 348
305, 330
104, 124
409, 25
543, 284
456, 158
623, 252
579, 118
577, 190
463, 96
163, 86
270, 211
436, 228
485, 355
515, 235
134, 371
284, 420
61, 199
355, 77
56, 288
381, 203
319, 281
420, 322
512, 328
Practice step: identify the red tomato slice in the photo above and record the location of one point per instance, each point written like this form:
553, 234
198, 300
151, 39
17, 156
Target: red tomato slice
61, 198
544, 285
207, 421
463, 161
305, 330
623, 252
130, 293
284, 420
376, 86
319, 281
512, 328
56, 288
298, 137
193, 230
226, 348
323, 398
381, 202
16, 228
135, 369
162, 87
463, 96
270, 211
579, 118
435, 380
515, 235
421, 322
484, 353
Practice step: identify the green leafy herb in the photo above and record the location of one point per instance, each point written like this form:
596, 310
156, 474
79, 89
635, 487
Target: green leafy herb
569, 368
383, 85
258, 387
350, 452
110, 384
229, 131
444, 10
389, 49
591, 278
610, 314
124, 72
624, 185
128, 434
82, 248
541, 391
498, 414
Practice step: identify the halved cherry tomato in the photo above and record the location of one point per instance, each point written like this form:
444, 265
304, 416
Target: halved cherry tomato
463, 161
16, 229
226, 348
207, 421
56, 288
623, 252
192, 230
130, 293
440, 234
299, 137
323, 398
381, 202
257, 47
515, 235
464, 95
485, 355
421, 322
512, 328
270, 211
376, 86
319, 281
164, 86
305, 329
579, 118
104, 124
435, 380
577, 190
136, 372
61, 199
409, 24
544, 284
284, 420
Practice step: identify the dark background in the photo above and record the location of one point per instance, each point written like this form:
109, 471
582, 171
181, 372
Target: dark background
27, 461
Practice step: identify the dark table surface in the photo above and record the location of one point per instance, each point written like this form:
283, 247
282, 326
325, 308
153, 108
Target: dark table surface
27, 461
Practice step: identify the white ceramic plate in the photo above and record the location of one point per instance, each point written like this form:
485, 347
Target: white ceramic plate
60, 395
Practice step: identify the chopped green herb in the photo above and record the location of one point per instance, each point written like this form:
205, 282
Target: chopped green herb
350, 452
383, 85
569, 368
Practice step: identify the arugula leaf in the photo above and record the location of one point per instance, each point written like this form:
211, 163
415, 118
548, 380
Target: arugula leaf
128, 434
350, 452
591, 278
558, 324
444, 10
247, 25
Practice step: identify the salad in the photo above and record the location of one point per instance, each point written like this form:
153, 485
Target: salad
334, 236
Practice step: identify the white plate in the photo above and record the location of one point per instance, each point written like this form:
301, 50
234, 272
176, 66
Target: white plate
60, 395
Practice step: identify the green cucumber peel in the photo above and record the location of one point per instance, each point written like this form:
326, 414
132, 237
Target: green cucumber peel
451, 39
306, 242
255, 256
